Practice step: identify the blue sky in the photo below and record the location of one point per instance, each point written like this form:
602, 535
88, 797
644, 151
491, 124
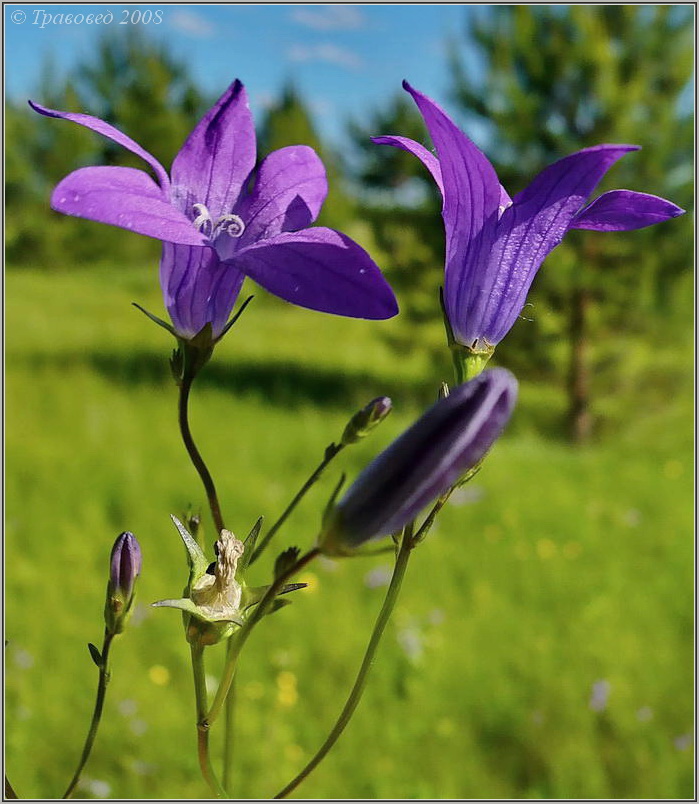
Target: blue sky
344, 58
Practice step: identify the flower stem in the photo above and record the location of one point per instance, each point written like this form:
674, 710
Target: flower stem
330, 453
195, 455
240, 638
96, 715
207, 770
355, 695
229, 723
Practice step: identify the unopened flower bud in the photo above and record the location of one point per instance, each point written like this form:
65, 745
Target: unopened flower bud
125, 567
364, 420
423, 463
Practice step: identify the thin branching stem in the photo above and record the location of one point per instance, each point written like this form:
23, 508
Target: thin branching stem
96, 715
194, 454
355, 695
199, 675
330, 453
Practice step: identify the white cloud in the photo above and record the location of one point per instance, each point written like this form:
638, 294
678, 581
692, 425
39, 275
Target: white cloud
333, 54
329, 18
191, 23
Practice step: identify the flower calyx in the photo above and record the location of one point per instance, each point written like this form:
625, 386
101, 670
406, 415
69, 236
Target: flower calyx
213, 596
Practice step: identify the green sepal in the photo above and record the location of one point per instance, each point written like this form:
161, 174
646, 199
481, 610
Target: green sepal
251, 541
472, 472
117, 610
155, 319
177, 365
235, 317
330, 507
286, 560
198, 562
196, 351
96, 655
292, 587
468, 363
189, 606
252, 595
278, 604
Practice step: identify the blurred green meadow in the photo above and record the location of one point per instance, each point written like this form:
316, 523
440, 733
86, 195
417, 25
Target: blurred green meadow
543, 643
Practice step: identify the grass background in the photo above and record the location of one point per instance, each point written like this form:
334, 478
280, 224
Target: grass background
555, 570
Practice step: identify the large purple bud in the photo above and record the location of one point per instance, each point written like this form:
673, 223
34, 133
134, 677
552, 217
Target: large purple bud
450, 439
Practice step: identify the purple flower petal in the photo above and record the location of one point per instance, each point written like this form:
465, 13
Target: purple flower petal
217, 157
123, 197
95, 124
320, 269
428, 159
528, 231
198, 288
290, 187
427, 459
622, 210
472, 198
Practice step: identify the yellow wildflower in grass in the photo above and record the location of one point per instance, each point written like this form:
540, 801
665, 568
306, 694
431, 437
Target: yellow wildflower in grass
287, 694
159, 675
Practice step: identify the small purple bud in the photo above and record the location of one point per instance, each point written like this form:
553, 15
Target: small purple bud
364, 420
422, 464
125, 567
125, 564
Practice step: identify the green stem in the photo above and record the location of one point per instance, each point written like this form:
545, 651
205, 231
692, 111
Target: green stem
96, 715
207, 770
330, 453
195, 455
240, 638
355, 695
229, 726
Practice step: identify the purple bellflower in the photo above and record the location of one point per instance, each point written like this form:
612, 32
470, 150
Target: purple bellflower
449, 440
495, 244
221, 220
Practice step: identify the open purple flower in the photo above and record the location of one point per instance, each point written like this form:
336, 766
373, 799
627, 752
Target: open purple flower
494, 244
445, 443
221, 220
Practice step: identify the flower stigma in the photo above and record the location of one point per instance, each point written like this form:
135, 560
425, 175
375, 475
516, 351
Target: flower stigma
231, 224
